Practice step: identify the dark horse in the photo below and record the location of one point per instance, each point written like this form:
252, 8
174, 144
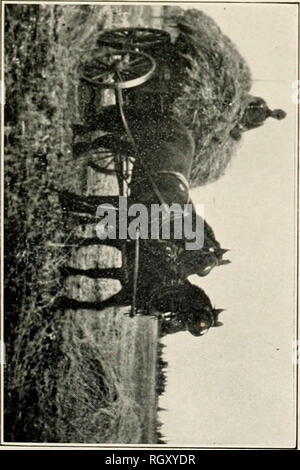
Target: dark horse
165, 150
189, 308
161, 172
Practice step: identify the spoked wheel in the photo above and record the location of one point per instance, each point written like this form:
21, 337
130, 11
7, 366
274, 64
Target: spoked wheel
102, 161
133, 38
119, 69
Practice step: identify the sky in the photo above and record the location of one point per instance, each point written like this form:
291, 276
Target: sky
235, 386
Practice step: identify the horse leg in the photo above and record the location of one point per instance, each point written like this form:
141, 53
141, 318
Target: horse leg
109, 141
119, 299
108, 120
87, 204
92, 241
93, 273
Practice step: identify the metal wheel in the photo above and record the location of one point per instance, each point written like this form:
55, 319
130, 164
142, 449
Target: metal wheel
119, 69
133, 38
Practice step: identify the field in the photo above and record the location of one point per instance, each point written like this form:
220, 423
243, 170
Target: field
81, 376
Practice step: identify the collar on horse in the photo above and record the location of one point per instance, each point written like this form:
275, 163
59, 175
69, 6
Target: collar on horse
179, 176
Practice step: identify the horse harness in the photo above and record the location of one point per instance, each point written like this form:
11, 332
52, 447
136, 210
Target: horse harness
183, 182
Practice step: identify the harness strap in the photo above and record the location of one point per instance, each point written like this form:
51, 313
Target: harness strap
179, 176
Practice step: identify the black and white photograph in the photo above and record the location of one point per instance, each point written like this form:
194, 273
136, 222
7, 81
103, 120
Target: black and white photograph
149, 215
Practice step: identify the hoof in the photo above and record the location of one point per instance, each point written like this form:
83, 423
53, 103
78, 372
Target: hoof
64, 200
79, 129
79, 148
63, 303
64, 272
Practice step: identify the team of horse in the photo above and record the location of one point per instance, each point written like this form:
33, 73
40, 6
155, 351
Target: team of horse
164, 154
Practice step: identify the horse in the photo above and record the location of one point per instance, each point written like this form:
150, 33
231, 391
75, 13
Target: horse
188, 307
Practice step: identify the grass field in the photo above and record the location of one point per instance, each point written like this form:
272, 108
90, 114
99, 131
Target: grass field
70, 377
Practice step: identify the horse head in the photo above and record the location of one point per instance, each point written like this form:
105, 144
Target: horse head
198, 323
198, 314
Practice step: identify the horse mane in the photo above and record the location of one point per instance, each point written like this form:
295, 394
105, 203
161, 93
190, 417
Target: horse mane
195, 294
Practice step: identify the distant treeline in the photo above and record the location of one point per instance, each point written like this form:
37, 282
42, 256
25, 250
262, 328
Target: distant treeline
161, 380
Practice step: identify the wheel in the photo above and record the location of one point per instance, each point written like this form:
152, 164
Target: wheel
133, 38
120, 69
